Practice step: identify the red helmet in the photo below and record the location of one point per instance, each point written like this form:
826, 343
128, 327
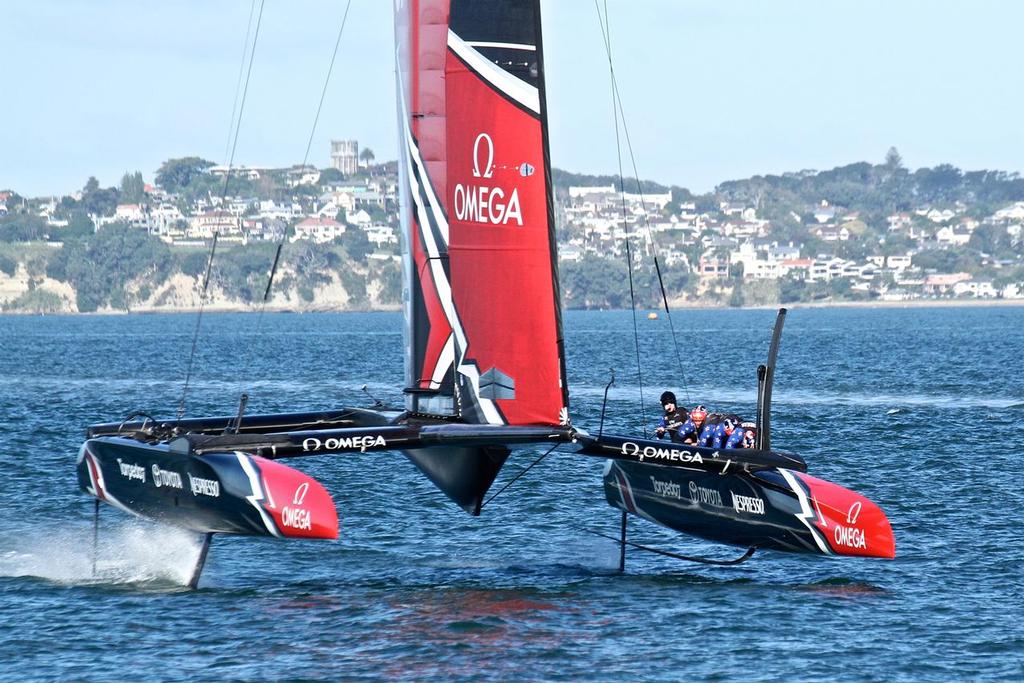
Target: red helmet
698, 414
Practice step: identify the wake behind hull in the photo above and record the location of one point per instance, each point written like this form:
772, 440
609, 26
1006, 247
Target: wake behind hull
774, 509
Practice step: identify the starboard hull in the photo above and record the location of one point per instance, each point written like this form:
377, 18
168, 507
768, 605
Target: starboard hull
228, 493
774, 509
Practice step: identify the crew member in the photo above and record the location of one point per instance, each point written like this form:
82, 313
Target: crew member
691, 429
718, 428
743, 436
673, 418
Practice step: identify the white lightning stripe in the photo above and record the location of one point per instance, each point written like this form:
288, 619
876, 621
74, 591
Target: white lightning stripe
806, 513
508, 46
257, 492
518, 89
441, 284
98, 480
444, 361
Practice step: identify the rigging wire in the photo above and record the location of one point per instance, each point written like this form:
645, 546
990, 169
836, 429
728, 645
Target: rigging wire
241, 72
216, 233
606, 33
517, 477
617, 103
284, 233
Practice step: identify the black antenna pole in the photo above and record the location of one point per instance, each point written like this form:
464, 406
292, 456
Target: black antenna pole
604, 404
242, 402
764, 402
377, 403
762, 373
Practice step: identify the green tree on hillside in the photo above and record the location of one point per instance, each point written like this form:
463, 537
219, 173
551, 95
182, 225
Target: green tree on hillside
99, 201
357, 245
79, 225
133, 188
102, 266
893, 160
330, 176
22, 227
175, 174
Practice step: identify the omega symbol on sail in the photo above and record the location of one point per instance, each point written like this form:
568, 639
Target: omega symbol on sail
479, 203
489, 166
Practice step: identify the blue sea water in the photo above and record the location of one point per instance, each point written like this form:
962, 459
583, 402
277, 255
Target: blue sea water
922, 410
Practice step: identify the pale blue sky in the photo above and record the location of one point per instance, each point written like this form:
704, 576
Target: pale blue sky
713, 89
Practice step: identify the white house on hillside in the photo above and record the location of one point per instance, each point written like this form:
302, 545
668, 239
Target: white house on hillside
318, 229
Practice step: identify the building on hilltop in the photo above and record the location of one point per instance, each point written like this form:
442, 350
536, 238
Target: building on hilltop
318, 229
240, 171
345, 156
204, 225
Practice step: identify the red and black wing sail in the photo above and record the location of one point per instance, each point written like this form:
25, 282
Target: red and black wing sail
483, 321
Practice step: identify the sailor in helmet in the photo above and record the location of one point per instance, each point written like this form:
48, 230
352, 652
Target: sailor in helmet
691, 429
749, 438
673, 418
740, 434
718, 428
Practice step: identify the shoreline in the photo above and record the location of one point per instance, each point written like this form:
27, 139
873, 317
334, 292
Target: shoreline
691, 306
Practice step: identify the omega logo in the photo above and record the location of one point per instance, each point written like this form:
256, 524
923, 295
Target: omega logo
489, 168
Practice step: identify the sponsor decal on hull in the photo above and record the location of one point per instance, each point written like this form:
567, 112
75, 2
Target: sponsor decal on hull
204, 487
291, 503
130, 470
850, 537
669, 489
296, 518
350, 443
664, 454
750, 504
166, 478
705, 496
840, 520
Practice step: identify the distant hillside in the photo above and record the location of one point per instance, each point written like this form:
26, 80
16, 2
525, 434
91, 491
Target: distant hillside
563, 180
78, 253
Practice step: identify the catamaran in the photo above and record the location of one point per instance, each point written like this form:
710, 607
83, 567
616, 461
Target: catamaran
485, 365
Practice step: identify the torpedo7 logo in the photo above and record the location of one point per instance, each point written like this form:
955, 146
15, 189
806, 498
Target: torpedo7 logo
481, 202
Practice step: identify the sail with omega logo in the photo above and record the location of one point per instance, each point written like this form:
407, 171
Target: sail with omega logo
483, 329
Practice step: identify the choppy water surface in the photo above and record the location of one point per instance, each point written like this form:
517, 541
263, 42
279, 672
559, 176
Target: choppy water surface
922, 410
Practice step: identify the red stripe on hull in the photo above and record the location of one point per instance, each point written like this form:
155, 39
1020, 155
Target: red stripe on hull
850, 523
96, 476
299, 504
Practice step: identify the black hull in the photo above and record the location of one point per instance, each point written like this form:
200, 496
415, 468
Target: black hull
227, 493
774, 509
214, 482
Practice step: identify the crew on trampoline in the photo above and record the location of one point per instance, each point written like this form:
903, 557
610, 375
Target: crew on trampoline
672, 420
700, 428
691, 429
